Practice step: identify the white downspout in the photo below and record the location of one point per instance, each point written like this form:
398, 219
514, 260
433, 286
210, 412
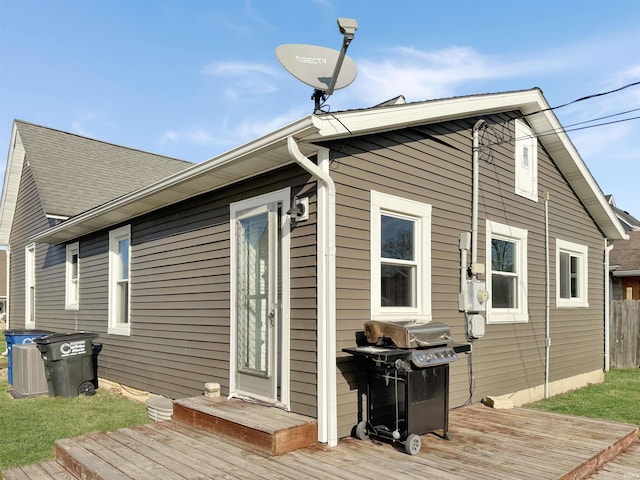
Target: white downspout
607, 300
326, 228
547, 294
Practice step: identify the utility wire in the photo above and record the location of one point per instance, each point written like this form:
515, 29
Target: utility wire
567, 128
588, 97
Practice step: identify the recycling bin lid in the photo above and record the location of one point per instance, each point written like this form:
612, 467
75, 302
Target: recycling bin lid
26, 331
65, 337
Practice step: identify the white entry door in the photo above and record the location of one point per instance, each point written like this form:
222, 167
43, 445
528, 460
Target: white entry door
258, 320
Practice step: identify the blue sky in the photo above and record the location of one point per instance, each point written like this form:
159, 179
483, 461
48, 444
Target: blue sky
193, 78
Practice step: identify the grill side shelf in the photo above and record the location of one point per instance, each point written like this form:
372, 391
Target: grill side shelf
377, 354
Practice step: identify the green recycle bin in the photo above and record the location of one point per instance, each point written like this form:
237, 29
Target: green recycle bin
70, 363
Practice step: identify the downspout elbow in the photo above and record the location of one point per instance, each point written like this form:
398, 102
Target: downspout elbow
309, 166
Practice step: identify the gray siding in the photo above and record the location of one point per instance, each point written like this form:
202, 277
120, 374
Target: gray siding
29, 219
180, 295
432, 164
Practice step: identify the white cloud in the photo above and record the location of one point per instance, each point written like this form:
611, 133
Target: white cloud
421, 74
79, 124
238, 69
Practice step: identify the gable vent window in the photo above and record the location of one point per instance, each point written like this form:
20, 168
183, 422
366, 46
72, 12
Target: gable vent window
526, 162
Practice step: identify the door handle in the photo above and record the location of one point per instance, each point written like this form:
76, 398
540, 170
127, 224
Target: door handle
272, 316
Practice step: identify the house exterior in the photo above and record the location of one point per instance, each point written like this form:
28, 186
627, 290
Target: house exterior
624, 264
625, 268
628, 221
51, 176
255, 268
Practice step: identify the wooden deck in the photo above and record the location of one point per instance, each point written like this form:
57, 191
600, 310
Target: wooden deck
625, 466
485, 443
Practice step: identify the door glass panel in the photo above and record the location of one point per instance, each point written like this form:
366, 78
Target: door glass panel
253, 294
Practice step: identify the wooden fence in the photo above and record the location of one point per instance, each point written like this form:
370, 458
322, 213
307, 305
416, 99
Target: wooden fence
624, 344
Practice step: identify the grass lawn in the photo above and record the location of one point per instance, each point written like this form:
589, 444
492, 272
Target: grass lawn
29, 427
617, 399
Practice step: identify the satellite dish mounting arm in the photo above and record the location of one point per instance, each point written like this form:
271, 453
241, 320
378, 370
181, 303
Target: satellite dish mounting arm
347, 27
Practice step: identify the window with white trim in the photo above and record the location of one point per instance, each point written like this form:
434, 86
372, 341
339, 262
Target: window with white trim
119, 275
400, 258
72, 291
506, 257
526, 162
30, 286
571, 274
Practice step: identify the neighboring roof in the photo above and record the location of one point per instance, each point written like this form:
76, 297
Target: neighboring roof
629, 222
625, 256
73, 173
270, 152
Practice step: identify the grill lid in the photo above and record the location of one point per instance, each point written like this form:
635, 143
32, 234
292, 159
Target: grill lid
407, 333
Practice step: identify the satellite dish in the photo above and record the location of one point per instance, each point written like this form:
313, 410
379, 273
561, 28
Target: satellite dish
322, 68
314, 65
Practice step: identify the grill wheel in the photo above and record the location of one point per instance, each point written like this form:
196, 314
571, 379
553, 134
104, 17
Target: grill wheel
413, 444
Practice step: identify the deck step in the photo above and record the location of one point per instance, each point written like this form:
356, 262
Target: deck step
266, 428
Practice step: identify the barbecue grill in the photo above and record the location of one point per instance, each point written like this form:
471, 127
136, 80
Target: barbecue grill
407, 380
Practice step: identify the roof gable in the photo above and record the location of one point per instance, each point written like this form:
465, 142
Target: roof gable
73, 173
270, 152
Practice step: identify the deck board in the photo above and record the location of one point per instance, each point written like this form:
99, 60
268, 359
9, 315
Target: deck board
485, 443
624, 467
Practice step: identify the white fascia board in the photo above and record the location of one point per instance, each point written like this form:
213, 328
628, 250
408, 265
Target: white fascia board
362, 122
12, 175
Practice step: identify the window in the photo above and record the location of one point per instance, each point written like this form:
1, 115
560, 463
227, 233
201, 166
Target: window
526, 162
400, 258
507, 275
119, 270
72, 277
571, 274
30, 286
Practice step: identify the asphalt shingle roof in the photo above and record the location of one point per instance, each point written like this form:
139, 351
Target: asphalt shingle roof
74, 173
626, 253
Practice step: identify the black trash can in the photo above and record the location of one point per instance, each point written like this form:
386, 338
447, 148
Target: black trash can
70, 363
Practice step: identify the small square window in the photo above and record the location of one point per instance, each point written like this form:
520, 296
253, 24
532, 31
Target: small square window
571, 274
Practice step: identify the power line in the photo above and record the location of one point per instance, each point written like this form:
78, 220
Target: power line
587, 97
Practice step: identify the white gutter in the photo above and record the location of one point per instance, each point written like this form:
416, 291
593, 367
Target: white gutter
607, 326
326, 228
626, 273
